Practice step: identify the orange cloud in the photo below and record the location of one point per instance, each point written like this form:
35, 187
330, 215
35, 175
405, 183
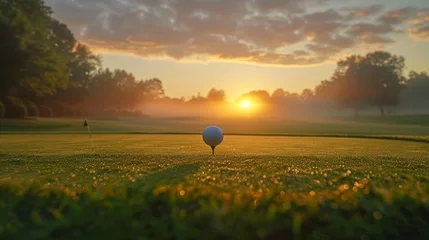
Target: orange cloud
419, 28
367, 11
256, 31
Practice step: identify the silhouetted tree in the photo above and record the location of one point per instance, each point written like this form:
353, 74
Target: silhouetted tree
119, 89
215, 95
278, 95
197, 99
416, 95
325, 91
259, 96
382, 74
29, 62
82, 63
307, 94
371, 80
153, 89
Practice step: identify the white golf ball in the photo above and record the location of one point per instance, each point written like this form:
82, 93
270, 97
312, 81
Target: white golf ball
213, 136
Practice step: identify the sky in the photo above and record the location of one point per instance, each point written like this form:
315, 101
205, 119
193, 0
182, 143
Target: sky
244, 45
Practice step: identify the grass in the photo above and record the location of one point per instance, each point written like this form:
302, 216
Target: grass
391, 125
143, 186
421, 120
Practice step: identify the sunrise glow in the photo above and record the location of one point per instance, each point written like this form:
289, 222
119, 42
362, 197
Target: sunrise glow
245, 104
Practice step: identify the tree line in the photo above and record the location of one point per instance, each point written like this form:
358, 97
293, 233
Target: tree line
46, 72
372, 81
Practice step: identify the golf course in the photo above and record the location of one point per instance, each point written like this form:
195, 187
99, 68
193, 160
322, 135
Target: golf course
315, 180
214, 119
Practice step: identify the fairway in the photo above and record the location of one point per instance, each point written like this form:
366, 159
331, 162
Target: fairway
214, 119
394, 125
169, 186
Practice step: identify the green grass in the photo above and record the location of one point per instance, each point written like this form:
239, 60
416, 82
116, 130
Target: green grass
392, 125
421, 120
140, 186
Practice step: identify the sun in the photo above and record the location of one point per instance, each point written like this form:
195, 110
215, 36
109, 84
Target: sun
245, 104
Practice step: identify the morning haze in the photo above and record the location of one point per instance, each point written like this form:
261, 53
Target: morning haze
237, 47
309, 33
214, 119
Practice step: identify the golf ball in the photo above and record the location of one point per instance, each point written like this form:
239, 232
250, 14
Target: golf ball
213, 136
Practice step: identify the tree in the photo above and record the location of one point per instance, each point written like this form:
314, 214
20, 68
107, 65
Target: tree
63, 38
278, 94
152, 89
307, 94
81, 61
99, 87
371, 80
324, 91
197, 99
29, 60
42, 61
259, 96
416, 95
382, 73
119, 89
215, 95
347, 83
83, 65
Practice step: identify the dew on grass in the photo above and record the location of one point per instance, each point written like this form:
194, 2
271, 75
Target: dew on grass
332, 173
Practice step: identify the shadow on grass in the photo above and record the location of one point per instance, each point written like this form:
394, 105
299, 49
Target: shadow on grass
172, 175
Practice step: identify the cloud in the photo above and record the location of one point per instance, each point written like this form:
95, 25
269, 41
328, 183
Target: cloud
369, 33
271, 32
419, 25
330, 15
397, 16
378, 32
365, 11
283, 32
288, 6
323, 50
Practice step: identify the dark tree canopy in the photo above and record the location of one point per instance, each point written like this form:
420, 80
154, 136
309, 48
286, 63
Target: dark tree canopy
373, 80
216, 95
416, 95
29, 56
260, 96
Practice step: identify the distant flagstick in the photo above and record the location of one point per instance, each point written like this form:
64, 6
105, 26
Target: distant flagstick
85, 124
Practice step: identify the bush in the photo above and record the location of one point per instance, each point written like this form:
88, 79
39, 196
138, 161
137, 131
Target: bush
32, 109
77, 113
2, 110
62, 109
15, 108
46, 111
